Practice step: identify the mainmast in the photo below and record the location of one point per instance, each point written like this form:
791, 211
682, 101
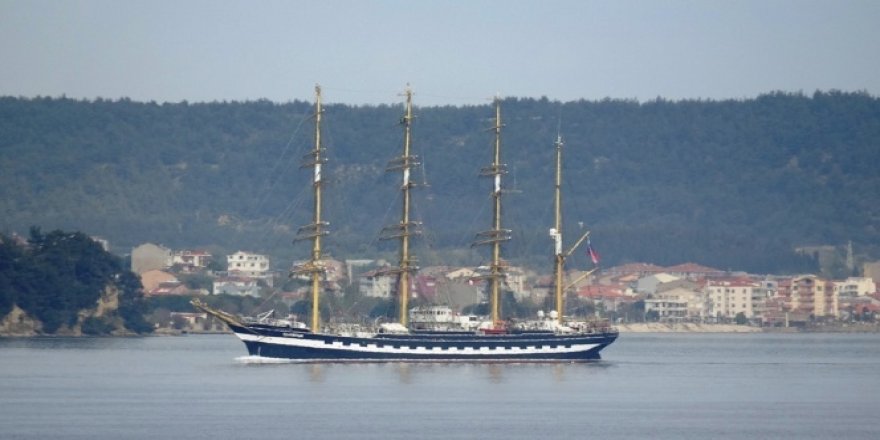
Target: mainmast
556, 234
496, 235
406, 227
317, 229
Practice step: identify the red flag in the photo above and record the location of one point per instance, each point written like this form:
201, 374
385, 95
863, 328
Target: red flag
592, 253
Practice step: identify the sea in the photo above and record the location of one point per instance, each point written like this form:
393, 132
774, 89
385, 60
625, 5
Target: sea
648, 386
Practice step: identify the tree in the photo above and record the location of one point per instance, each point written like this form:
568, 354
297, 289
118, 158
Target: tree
132, 305
61, 273
740, 319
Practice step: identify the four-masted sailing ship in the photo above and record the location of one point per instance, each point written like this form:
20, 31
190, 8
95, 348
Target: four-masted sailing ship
441, 337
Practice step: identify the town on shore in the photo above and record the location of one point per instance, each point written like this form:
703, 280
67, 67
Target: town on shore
637, 297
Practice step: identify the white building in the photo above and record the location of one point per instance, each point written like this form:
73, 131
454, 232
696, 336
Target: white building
729, 297
191, 260
238, 286
855, 286
461, 274
372, 284
249, 264
678, 304
515, 279
648, 284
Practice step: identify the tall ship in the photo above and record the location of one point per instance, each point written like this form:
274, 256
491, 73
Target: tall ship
432, 334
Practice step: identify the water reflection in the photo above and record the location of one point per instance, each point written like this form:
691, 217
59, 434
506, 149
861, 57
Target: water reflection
404, 374
415, 373
316, 373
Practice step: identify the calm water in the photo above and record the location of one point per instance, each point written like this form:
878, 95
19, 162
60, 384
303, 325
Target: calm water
764, 386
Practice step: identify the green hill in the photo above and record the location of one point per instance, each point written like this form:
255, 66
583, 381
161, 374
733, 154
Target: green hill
732, 184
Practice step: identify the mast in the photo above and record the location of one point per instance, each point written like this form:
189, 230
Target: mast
556, 234
406, 228
497, 234
317, 228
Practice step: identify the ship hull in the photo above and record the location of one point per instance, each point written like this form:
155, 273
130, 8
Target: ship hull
512, 347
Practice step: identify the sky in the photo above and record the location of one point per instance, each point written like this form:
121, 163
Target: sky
451, 52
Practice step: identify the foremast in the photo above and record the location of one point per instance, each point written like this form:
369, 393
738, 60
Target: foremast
407, 228
318, 228
497, 234
559, 286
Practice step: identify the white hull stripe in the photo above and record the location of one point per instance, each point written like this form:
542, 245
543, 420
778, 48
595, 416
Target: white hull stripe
414, 350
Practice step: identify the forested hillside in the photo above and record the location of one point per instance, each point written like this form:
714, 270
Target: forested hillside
731, 184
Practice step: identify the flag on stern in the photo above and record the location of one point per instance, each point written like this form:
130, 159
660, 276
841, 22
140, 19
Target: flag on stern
592, 253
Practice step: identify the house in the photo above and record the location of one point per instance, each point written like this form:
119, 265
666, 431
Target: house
462, 274
237, 285
426, 287
247, 263
773, 313
515, 279
639, 269
188, 319
542, 288
169, 288
151, 279
809, 295
693, 271
729, 297
375, 284
458, 294
334, 271
353, 267
611, 297
678, 304
680, 283
855, 286
190, 261
859, 308
648, 284
150, 256
598, 291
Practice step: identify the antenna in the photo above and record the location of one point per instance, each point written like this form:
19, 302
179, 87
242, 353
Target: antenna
559, 123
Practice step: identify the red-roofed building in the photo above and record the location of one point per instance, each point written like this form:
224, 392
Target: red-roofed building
611, 297
863, 308
599, 291
638, 269
693, 271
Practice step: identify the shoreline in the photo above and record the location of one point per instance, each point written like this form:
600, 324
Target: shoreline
641, 327
656, 327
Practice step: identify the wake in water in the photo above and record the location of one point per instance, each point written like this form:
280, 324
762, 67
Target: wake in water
265, 360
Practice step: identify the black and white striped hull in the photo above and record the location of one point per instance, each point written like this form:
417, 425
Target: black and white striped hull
433, 347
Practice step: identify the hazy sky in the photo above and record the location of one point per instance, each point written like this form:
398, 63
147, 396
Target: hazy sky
452, 52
